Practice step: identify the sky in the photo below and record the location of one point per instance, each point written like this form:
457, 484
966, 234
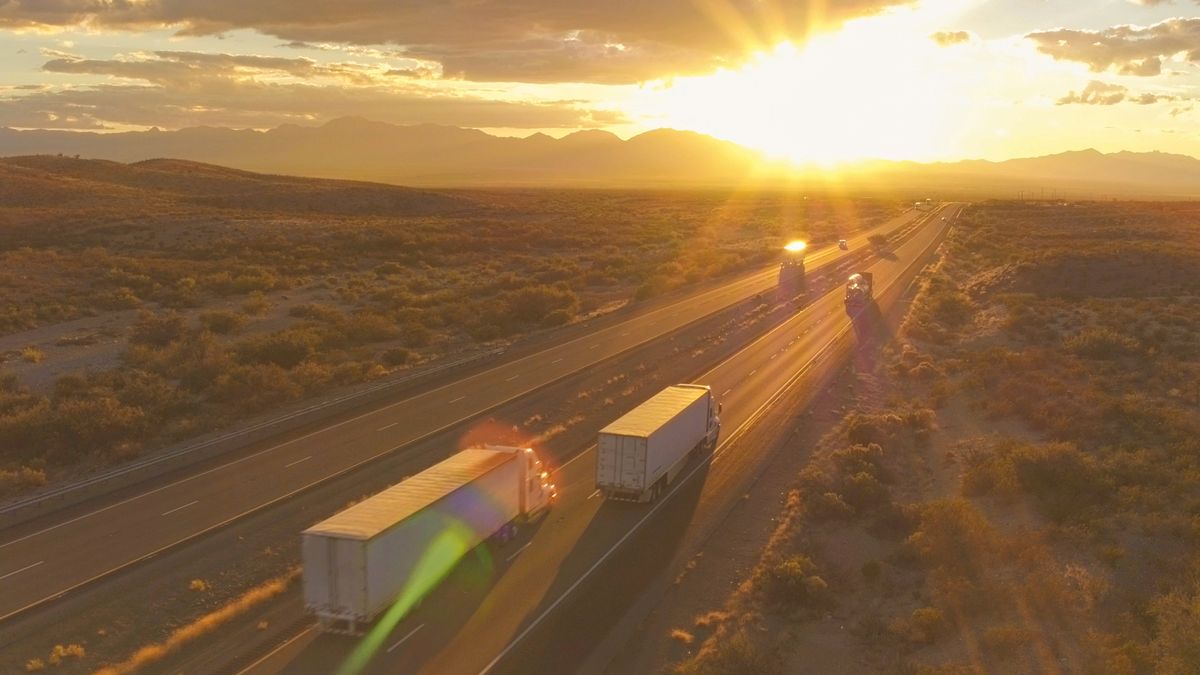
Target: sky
821, 81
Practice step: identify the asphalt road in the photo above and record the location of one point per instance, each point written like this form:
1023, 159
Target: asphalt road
494, 613
43, 560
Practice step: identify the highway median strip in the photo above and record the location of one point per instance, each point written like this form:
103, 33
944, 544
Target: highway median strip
180, 637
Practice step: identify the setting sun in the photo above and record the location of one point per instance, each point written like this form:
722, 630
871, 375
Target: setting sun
831, 100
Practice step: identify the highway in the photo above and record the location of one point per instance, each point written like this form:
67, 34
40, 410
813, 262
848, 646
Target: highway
501, 625
43, 560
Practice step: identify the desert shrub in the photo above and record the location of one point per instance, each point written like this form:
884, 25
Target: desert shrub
1063, 481
32, 354
397, 356
923, 626
558, 317
222, 322
117, 299
1101, 343
828, 505
285, 348
954, 536
20, 479
255, 387
416, 335
531, 304
94, 425
735, 654
1176, 645
317, 312
793, 581
257, 304
62, 652
157, 330
863, 491
887, 427
1005, 639
860, 459
364, 327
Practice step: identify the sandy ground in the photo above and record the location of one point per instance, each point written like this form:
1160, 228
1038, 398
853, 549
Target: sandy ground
96, 343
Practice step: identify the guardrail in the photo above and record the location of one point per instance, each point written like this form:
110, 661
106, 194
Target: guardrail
22, 509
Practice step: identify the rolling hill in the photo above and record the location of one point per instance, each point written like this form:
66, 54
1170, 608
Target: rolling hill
433, 155
51, 180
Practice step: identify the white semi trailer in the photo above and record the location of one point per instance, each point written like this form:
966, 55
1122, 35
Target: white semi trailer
642, 452
395, 547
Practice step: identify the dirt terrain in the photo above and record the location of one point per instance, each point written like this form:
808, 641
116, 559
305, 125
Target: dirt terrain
1011, 486
150, 303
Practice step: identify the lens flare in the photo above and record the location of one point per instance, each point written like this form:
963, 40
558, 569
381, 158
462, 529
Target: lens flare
796, 246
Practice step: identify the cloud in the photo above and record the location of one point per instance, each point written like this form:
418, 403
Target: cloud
1131, 50
1102, 93
950, 38
616, 41
177, 88
1096, 93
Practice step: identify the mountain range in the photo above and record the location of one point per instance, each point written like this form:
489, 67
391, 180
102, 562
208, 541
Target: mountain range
433, 155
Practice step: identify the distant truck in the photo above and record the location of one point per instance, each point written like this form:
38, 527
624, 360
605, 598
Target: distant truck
396, 546
642, 452
860, 291
791, 268
842, 244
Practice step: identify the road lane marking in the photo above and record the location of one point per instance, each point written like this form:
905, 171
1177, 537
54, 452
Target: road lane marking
401, 640
288, 466
753, 372
594, 494
726, 393
556, 360
456, 400
387, 426
180, 508
27, 567
675, 487
625, 334
514, 555
510, 379
651, 319
594, 346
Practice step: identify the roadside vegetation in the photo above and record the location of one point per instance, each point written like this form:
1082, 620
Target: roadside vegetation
234, 297
1018, 488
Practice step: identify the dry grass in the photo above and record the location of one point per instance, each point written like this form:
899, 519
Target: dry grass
389, 288
1019, 538
682, 636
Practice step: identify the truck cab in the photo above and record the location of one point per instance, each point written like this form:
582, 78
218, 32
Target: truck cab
539, 494
860, 292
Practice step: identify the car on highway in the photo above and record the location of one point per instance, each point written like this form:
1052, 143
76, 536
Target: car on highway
843, 245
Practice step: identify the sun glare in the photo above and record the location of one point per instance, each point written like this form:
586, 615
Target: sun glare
867, 91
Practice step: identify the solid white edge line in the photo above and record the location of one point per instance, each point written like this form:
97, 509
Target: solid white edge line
288, 466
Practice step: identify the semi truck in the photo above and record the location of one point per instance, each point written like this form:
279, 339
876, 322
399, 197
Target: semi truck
860, 290
392, 549
791, 269
645, 449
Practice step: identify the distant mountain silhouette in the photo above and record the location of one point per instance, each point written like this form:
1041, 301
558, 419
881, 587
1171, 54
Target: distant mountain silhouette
434, 155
